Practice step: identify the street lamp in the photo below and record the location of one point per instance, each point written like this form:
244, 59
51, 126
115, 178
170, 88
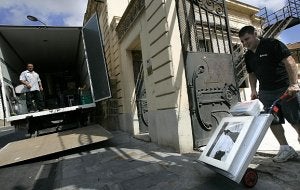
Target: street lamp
34, 19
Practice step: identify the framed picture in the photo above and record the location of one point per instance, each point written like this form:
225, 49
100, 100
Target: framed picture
226, 141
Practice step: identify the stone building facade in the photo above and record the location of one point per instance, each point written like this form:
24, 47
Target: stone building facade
146, 66
295, 50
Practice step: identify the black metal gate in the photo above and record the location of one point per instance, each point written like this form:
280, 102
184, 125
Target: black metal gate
141, 96
212, 88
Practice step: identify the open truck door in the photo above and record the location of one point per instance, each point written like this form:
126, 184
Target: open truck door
96, 59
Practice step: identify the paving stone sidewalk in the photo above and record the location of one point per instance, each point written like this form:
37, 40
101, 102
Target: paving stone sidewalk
125, 163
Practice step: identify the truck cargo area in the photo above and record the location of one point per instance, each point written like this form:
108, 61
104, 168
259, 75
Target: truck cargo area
66, 58
58, 57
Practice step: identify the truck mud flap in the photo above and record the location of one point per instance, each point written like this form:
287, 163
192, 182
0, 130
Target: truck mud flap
28, 149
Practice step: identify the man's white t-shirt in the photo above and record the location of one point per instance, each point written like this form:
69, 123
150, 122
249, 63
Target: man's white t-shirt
33, 78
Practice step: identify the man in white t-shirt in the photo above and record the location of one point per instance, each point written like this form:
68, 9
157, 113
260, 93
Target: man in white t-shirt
33, 83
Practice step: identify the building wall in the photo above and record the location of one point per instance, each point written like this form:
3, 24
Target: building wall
156, 33
170, 117
128, 118
109, 14
295, 50
239, 15
116, 8
115, 65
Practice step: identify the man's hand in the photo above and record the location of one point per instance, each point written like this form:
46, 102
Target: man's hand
28, 86
41, 88
293, 89
253, 81
254, 95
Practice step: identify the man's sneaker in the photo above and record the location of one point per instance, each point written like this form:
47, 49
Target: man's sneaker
285, 155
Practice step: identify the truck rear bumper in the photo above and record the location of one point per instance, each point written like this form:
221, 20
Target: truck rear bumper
49, 112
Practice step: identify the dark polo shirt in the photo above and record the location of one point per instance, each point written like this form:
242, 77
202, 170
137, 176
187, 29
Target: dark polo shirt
266, 63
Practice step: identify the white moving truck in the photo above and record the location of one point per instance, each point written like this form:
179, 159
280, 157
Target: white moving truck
71, 65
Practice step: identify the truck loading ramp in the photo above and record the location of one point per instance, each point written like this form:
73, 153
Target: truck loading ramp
27, 149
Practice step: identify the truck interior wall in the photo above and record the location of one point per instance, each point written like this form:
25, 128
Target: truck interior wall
72, 83
11, 64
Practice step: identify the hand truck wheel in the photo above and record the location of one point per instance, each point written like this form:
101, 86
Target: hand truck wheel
250, 178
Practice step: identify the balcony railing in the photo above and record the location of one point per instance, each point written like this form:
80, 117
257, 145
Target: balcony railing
132, 11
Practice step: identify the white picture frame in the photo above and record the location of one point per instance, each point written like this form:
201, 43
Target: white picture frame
226, 141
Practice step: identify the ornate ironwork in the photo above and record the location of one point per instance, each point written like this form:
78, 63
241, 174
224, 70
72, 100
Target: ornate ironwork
140, 91
204, 26
212, 91
133, 10
214, 6
205, 36
141, 99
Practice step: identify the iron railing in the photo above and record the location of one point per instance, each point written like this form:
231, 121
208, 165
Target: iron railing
132, 12
204, 26
291, 9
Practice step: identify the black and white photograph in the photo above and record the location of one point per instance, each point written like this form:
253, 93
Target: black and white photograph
226, 141
223, 145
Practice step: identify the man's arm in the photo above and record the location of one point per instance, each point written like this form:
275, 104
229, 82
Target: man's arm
253, 81
25, 83
40, 85
292, 70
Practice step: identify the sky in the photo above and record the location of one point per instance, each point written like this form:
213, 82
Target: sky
71, 13
51, 12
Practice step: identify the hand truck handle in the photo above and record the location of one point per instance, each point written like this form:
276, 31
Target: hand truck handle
285, 95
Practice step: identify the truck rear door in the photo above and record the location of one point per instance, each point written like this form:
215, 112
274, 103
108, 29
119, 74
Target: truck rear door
96, 59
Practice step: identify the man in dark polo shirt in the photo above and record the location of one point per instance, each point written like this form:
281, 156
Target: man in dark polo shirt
270, 62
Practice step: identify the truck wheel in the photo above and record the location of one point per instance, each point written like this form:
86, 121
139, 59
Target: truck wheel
250, 178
